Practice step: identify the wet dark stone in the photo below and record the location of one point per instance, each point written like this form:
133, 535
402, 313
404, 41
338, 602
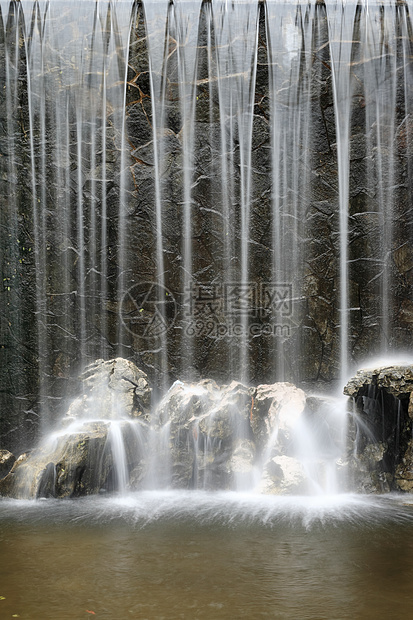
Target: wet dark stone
312, 350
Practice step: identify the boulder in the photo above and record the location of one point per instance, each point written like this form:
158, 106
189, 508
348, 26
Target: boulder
111, 390
57, 466
205, 423
276, 410
184, 402
174, 420
80, 461
396, 380
7, 460
283, 475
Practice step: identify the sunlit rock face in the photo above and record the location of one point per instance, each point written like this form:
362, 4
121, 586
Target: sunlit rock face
112, 389
381, 428
7, 460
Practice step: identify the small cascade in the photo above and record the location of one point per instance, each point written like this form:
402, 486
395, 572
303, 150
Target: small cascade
290, 36
210, 189
306, 450
185, 33
116, 445
157, 22
320, 446
236, 35
210, 442
158, 473
341, 26
85, 457
100, 444
271, 439
381, 96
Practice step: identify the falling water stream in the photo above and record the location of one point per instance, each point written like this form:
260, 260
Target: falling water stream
215, 189
210, 189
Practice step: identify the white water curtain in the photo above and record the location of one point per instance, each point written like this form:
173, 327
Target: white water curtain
75, 62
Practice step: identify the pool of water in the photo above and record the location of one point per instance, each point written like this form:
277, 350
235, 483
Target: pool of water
199, 555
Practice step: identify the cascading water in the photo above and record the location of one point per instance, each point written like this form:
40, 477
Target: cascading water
210, 190
271, 439
341, 20
214, 199
68, 56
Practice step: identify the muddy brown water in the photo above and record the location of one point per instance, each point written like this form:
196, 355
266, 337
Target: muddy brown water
198, 555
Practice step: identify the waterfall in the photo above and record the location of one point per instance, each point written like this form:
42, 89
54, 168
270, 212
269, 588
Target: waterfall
289, 35
341, 24
209, 189
380, 77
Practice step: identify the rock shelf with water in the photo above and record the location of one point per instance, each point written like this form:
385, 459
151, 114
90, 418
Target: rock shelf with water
382, 428
271, 439
202, 203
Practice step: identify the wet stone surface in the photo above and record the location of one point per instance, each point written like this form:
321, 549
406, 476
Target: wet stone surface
179, 183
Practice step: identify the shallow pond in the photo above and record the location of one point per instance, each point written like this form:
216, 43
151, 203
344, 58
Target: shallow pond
198, 555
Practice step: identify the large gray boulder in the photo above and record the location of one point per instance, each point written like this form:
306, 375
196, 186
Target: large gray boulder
276, 411
112, 389
208, 432
275, 416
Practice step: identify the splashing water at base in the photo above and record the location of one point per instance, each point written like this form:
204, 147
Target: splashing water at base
207, 555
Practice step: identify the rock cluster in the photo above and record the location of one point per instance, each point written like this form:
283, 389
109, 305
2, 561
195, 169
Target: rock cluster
271, 438
382, 428
78, 458
235, 437
396, 380
201, 435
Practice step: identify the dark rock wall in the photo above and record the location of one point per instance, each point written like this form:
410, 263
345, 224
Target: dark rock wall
56, 317
380, 429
